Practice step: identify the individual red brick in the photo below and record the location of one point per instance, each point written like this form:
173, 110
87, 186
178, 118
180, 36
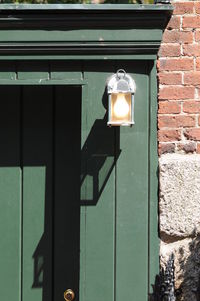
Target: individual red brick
197, 35
198, 148
199, 120
198, 63
169, 107
181, 64
176, 92
191, 107
170, 50
188, 147
193, 134
167, 121
169, 135
170, 78
192, 78
191, 50
176, 36
191, 22
164, 148
183, 8
197, 7
174, 23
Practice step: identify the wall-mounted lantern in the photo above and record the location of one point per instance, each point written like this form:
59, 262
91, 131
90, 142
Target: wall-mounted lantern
121, 89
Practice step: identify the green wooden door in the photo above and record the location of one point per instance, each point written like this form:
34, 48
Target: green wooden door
74, 194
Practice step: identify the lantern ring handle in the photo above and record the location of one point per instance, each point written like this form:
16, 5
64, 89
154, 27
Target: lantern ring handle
121, 71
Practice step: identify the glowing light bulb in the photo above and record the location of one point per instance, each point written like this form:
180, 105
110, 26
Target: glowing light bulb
121, 107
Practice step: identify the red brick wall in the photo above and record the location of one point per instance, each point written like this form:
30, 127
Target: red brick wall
179, 81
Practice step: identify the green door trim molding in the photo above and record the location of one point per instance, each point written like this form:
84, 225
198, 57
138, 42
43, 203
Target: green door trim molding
85, 7
80, 30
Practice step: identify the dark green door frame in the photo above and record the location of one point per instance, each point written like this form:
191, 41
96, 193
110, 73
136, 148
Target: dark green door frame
88, 32
39, 44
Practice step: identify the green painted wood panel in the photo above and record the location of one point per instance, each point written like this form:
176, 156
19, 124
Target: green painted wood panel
132, 196
37, 116
81, 56
10, 196
81, 35
97, 189
51, 73
10, 275
66, 70
10, 200
131, 200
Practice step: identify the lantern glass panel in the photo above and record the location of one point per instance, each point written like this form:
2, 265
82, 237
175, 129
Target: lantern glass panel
121, 111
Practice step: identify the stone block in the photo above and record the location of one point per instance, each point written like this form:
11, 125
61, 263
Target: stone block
179, 203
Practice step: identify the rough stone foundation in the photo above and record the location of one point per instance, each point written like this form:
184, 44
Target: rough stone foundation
180, 220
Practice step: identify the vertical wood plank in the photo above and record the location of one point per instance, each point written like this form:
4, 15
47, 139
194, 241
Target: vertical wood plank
37, 193
82, 285
10, 274
67, 190
132, 197
98, 192
10, 194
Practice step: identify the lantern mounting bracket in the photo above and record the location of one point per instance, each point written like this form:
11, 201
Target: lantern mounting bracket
121, 82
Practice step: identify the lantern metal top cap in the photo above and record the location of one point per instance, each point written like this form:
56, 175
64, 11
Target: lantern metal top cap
121, 82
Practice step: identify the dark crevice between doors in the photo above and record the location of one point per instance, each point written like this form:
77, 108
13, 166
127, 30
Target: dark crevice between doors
21, 166
67, 190
53, 181
117, 153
